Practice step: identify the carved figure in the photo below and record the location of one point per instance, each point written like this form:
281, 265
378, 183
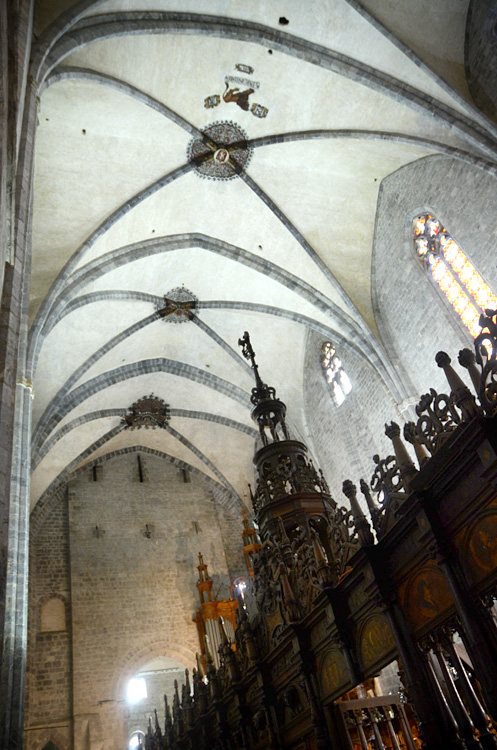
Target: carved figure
483, 543
238, 97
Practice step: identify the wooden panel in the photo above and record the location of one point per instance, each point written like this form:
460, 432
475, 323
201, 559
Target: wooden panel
477, 545
334, 675
375, 641
425, 595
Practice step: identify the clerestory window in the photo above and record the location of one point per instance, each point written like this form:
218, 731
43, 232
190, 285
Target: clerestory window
334, 373
451, 270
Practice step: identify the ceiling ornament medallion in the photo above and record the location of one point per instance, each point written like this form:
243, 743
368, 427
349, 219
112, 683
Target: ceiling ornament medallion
149, 411
178, 306
223, 152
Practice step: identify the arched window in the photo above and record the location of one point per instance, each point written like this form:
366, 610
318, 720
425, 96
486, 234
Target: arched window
136, 740
137, 689
454, 274
334, 373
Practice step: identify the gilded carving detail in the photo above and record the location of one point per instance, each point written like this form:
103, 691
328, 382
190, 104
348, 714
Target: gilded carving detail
478, 546
375, 641
425, 595
334, 673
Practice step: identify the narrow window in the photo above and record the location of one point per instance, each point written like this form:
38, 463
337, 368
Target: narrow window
334, 373
451, 270
136, 740
137, 690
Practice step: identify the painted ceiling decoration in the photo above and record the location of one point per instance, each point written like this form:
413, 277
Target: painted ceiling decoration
237, 91
222, 152
149, 411
293, 133
177, 306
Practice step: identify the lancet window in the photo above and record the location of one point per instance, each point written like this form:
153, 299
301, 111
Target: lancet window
451, 270
334, 373
135, 740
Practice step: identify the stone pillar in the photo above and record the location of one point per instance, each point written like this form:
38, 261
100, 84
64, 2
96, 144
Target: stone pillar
15, 390
16, 613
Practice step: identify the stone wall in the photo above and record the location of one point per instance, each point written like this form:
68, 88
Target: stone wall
413, 319
48, 679
123, 552
17, 133
344, 438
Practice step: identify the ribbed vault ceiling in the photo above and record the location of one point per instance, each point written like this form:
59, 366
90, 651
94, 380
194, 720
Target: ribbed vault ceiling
121, 216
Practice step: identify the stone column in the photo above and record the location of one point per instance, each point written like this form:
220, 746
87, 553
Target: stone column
15, 390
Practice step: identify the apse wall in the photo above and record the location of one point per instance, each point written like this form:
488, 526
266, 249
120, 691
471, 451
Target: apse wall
344, 438
413, 320
121, 554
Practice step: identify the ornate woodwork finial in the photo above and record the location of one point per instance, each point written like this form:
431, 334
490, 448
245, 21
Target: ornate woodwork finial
411, 435
361, 525
199, 664
268, 412
284, 470
186, 700
322, 567
158, 731
460, 392
284, 545
291, 604
486, 357
208, 656
211, 671
406, 466
244, 633
261, 392
248, 353
169, 720
374, 511
251, 543
226, 652
467, 359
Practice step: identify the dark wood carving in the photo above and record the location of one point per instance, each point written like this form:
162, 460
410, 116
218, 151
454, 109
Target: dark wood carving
331, 600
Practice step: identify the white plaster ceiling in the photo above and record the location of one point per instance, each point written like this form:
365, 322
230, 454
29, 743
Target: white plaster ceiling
121, 218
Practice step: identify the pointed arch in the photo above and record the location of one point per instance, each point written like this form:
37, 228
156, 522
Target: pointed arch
452, 271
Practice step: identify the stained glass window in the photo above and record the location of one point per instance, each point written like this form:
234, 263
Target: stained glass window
334, 373
454, 274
